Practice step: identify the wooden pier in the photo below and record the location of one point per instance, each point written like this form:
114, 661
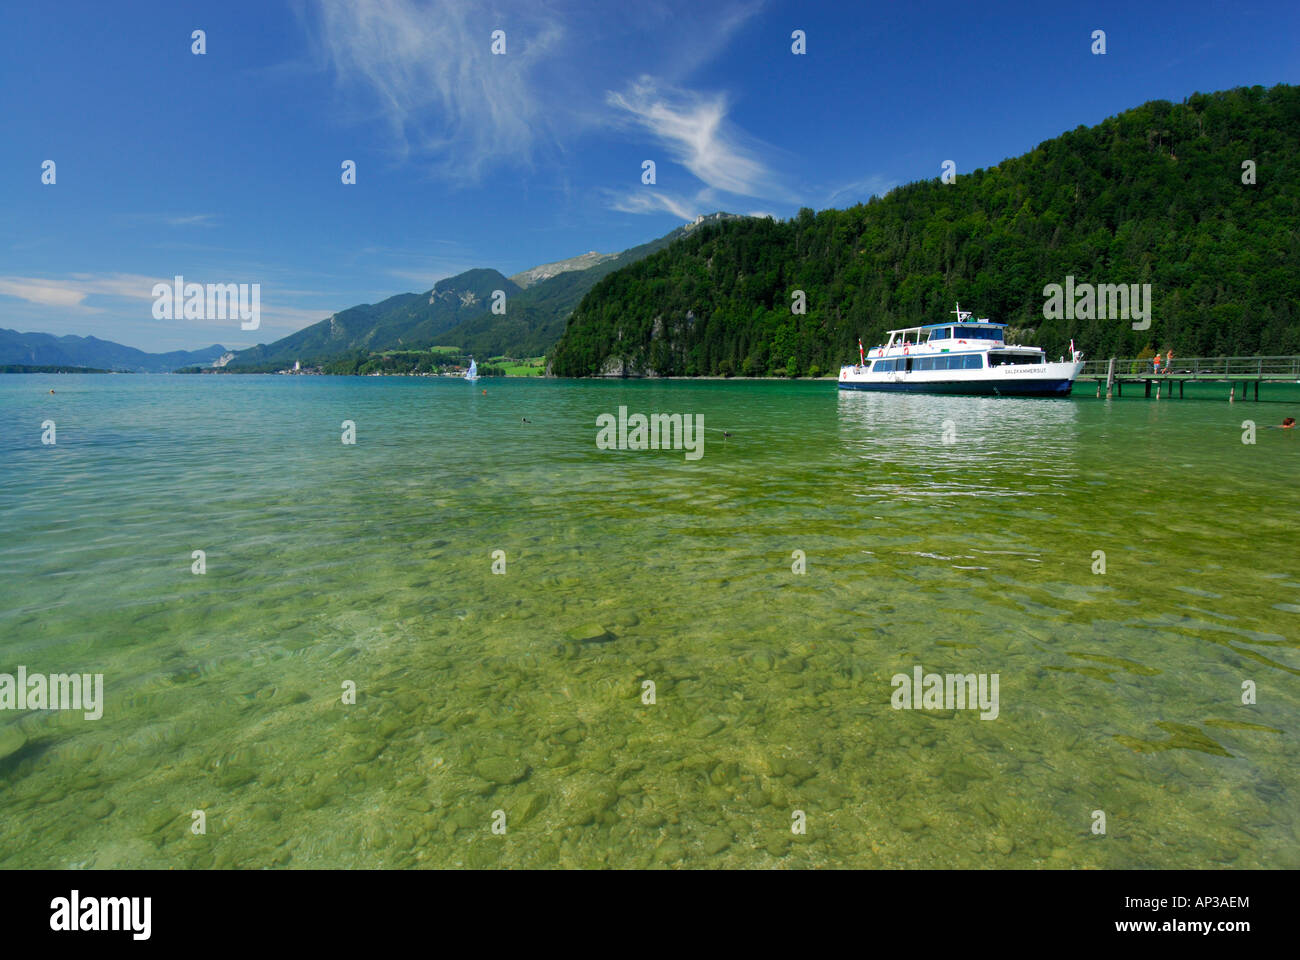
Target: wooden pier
1232, 372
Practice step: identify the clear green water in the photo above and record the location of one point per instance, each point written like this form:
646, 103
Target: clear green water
372, 564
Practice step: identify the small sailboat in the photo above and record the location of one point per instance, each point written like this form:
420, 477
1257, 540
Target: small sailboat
472, 373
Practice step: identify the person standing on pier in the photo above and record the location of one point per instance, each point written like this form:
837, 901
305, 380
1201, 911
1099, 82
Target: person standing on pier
1169, 361
1156, 363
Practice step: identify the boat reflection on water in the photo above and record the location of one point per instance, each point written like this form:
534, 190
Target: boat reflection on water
918, 446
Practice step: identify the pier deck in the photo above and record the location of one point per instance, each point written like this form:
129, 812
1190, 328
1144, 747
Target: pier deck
1232, 372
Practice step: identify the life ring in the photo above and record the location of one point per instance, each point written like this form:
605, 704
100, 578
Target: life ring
905, 349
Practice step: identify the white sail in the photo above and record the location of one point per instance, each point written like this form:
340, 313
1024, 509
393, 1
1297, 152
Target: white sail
472, 372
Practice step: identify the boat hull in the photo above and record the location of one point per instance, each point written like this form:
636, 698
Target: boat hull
1003, 380
975, 388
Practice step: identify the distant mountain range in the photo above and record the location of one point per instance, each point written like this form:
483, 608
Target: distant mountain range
457, 312
47, 350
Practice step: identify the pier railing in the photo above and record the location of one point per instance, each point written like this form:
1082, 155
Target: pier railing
1201, 368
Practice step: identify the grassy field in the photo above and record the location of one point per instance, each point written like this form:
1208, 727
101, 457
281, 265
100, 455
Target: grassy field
529, 367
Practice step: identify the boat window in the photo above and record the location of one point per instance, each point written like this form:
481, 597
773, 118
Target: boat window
1002, 359
978, 333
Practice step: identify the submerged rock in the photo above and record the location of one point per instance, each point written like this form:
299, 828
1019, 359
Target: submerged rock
12, 740
529, 807
799, 769
589, 633
715, 841
99, 809
501, 769
705, 727
670, 852
778, 843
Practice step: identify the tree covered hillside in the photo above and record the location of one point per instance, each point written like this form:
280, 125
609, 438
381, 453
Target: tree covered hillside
1154, 195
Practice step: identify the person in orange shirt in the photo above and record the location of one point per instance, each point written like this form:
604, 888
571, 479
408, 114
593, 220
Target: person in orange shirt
1156, 363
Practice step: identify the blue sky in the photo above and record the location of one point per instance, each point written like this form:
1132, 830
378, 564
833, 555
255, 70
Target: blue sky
225, 167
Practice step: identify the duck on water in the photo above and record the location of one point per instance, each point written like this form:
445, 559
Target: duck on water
962, 356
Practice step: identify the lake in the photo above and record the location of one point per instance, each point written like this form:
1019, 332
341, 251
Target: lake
676, 660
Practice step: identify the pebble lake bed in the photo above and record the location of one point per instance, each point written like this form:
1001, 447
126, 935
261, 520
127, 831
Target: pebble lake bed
500, 592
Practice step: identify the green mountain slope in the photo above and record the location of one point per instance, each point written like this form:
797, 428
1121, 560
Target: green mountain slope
536, 317
457, 312
403, 321
1154, 195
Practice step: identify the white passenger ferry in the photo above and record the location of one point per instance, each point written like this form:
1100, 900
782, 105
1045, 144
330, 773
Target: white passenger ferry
962, 356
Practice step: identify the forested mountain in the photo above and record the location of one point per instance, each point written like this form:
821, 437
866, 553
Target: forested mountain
1154, 195
44, 349
404, 321
457, 312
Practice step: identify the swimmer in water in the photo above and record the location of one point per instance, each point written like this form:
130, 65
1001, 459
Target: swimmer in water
1287, 424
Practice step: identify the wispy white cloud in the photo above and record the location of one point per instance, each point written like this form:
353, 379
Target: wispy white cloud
859, 191
197, 220
71, 292
40, 292
693, 127
171, 219
654, 200
429, 70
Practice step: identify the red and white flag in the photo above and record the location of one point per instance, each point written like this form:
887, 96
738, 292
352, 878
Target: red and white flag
861, 357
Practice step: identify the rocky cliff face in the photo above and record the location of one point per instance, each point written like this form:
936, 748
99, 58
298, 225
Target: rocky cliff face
548, 270
621, 367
